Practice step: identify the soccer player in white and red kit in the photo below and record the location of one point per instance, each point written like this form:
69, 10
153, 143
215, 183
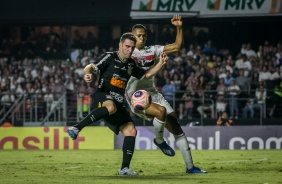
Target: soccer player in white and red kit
160, 111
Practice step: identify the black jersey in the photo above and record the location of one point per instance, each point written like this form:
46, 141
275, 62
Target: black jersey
115, 73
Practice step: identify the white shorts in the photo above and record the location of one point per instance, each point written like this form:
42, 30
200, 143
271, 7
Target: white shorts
156, 98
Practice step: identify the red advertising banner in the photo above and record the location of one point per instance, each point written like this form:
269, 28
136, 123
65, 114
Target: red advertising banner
55, 138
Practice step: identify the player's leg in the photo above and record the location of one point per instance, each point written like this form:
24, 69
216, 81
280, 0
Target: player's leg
181, 142
103, 108
159, 113
129, 131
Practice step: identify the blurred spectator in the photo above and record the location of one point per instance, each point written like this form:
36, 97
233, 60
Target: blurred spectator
191, 51
239, 60
228, 78
254, 81
222, 73
208, 102
236, 73
213, 79
209, 48
69, 83
245, 65
243, 82
224, 120
192, 81
48, 98
186, 106
275, 77
260, 52
221, 92
79, 70
249, 51
168, 91
276, 100
7, 99
257, 103
264, 75
58, 89
233, 91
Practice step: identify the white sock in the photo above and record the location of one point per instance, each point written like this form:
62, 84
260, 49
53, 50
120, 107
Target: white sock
159, 130
183, 146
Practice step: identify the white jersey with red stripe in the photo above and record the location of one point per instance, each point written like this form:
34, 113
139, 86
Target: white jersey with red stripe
146, 59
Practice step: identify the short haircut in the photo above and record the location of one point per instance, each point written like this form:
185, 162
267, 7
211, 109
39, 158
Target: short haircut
129, 36
139, 26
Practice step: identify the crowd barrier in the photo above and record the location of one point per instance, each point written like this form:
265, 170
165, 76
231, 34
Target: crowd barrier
69, 108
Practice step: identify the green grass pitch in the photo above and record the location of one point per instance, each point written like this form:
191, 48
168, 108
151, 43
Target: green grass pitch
100, 166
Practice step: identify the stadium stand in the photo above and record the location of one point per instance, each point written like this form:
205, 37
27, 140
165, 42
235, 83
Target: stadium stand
42, 77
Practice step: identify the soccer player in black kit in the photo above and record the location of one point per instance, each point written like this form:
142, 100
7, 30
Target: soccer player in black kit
115, 69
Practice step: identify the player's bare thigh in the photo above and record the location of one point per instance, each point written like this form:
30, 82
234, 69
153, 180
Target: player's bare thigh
156, 110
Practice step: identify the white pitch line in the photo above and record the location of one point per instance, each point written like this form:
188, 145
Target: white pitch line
230, 161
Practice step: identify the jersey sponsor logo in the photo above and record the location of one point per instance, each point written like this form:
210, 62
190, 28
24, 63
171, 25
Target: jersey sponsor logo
119, 77
118, 83
148, 51
117, 96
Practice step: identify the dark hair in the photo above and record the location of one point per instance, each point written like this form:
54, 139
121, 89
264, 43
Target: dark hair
129, 36
139, 26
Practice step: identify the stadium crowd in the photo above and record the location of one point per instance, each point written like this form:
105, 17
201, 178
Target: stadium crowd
202, 78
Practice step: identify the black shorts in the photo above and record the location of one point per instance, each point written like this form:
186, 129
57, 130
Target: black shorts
116, 120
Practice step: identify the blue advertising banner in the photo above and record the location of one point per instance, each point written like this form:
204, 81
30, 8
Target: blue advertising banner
214, 138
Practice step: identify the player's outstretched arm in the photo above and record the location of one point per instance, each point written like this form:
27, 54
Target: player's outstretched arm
153, 71
176, 46
88, 70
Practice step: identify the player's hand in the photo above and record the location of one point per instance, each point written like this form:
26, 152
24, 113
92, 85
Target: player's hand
163, 58
176, 21
88, 77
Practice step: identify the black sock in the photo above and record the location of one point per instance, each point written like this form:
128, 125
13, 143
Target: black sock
128, 150
92, 117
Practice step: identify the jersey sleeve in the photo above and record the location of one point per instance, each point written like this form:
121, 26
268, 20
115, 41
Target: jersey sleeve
103, 61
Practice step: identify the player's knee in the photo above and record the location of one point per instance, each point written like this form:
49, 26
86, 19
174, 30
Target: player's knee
111, 108
129, 130
172, 124
172, 116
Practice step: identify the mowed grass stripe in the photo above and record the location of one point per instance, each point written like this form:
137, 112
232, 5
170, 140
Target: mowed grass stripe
98, 166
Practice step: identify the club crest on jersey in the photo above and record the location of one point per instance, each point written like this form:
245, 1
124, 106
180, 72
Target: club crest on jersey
141, 60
